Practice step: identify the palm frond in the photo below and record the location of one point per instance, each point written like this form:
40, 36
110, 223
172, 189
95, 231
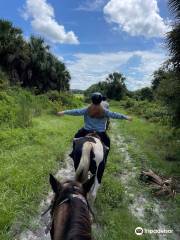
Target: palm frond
174, 6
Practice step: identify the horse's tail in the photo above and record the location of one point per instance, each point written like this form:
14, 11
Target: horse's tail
83, 168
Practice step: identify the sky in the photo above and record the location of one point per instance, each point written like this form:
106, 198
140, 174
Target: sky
97, 37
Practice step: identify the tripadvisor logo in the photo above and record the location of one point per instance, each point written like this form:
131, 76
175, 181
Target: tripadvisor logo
139, 231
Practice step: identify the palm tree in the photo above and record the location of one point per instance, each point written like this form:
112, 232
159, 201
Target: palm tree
173, 37
30, 63
12, 55
39, 63
10, 38
175, 8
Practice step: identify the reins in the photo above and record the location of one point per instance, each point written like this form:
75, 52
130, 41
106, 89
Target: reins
66, 200
72, 196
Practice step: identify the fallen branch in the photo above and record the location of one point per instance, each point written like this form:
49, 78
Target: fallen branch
162, 186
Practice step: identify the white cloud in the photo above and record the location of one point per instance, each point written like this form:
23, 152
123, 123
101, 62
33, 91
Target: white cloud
43, 21
136, 17
87, 69
91, 5
141, 75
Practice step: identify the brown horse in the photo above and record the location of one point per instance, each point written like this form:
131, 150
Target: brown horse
70, 211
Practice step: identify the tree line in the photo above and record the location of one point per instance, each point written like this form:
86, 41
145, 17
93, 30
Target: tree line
113, 87
29, 63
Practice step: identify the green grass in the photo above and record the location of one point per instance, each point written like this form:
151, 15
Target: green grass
27, 157
154, 144
79, 96
148, 145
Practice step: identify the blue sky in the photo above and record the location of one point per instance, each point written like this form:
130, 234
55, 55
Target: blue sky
96, 37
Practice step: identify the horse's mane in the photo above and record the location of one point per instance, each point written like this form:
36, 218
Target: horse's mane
78, 225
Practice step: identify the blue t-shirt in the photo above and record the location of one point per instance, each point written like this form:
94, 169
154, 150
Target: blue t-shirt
95, 124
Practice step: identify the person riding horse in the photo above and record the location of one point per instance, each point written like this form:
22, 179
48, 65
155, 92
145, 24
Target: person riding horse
91, 143
95, 118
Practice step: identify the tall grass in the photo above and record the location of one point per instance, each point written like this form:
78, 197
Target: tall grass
27, 157
33, 143
19, 106
160, 142
156, 147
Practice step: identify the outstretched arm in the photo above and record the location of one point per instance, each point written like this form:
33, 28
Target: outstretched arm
116, 115
73, 112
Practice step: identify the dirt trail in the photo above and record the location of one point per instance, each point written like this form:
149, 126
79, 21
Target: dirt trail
139, 202
37, 231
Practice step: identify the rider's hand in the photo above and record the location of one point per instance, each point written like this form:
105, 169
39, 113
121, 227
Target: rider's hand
60, 113
129, 118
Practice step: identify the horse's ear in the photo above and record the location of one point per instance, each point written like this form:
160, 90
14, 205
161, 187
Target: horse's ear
88, 184
56, 186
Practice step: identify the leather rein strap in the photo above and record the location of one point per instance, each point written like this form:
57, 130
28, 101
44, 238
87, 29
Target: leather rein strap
78, 196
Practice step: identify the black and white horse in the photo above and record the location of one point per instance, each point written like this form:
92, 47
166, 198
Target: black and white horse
89, 156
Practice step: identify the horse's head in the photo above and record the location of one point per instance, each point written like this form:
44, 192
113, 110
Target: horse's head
68, 187
65, 194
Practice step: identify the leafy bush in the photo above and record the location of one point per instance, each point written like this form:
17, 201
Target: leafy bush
153, 111
145, 93
7, 109
19, 106
64, 99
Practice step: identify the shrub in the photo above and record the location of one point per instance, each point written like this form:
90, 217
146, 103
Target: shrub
7, 109
65, 99
23, 113
153, 111
18, 106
